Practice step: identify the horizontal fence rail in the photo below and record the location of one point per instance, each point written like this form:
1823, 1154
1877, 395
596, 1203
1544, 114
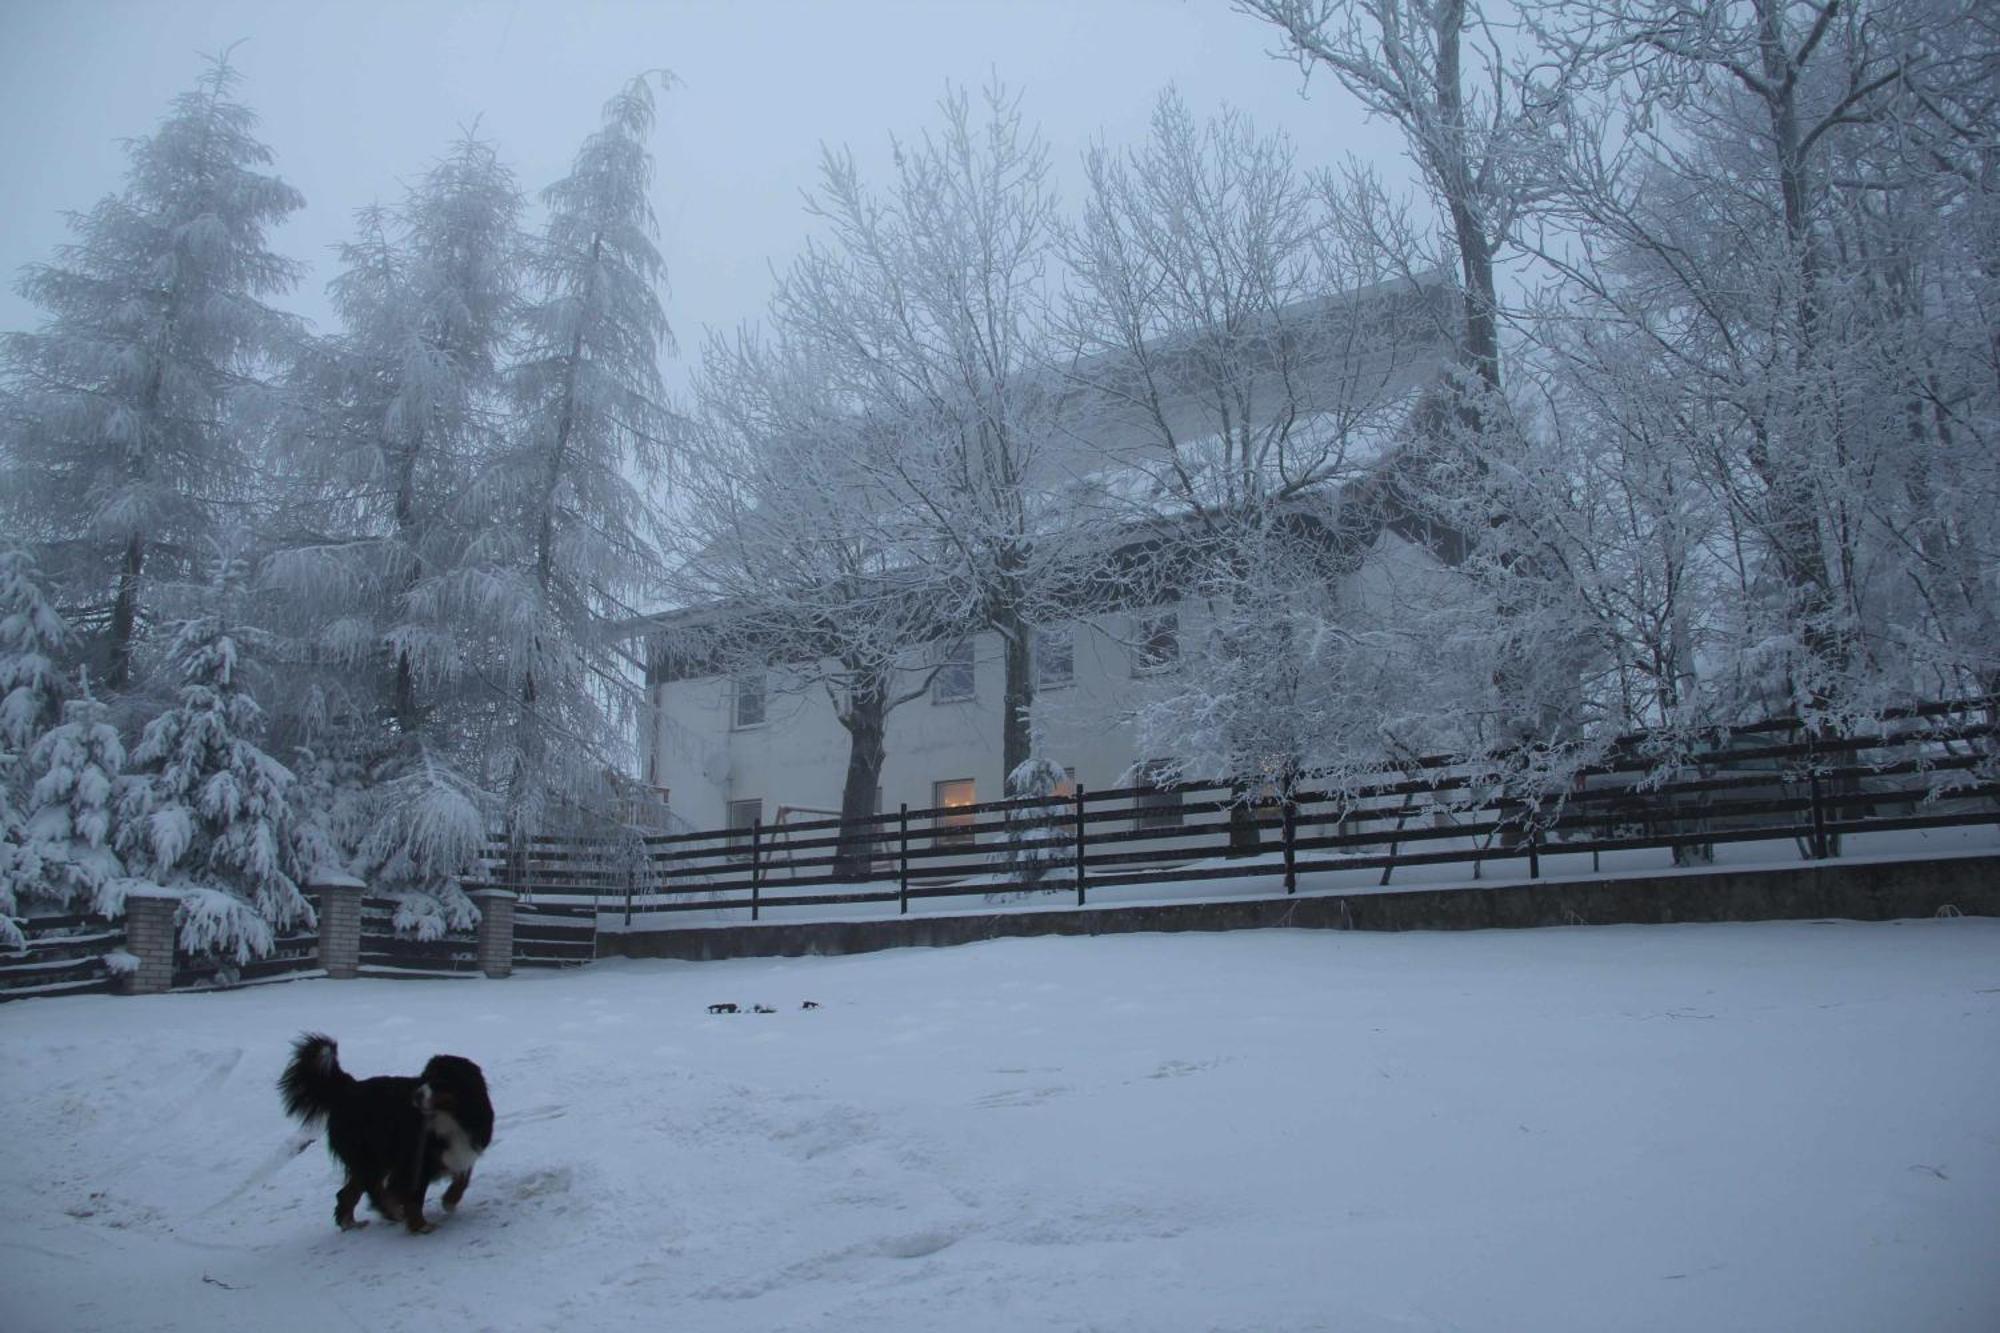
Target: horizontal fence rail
1923, 768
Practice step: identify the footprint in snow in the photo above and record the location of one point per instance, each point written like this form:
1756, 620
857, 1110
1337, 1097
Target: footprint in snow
1020, 1096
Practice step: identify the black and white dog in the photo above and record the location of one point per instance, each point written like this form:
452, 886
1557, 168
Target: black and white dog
393, 1135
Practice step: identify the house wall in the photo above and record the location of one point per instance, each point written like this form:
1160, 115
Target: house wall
797, 758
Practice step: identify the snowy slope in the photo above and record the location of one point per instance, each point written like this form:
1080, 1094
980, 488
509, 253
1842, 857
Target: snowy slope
1785, 1126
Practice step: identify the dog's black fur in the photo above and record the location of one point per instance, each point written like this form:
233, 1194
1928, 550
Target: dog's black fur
393, 1135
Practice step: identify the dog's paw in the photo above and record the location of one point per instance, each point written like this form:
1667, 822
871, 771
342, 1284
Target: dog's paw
422, 1228
351, 1224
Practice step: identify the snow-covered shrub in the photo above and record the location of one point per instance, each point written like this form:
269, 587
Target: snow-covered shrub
428, 830
1036, 840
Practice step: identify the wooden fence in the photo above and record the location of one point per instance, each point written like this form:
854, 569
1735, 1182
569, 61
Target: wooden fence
64, 955
1929, 767
290, 955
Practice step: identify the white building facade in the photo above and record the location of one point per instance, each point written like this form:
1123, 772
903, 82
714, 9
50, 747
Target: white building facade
723, 751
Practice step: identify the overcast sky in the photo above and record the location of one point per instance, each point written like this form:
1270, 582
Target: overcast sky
355, 95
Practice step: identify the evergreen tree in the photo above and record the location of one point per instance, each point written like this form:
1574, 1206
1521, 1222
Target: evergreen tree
394, 415
72, 810
33, 639
393, 418
210, 815
567, 535
121, 448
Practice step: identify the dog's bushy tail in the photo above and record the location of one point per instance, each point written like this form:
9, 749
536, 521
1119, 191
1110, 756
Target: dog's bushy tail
314, 1084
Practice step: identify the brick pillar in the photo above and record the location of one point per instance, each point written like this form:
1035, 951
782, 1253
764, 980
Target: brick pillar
340, 927
496, 931
149, 934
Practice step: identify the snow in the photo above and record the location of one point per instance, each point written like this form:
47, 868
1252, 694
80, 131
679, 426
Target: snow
1773, 1126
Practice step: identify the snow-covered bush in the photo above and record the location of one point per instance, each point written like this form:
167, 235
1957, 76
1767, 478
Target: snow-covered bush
1036, 842
428, 829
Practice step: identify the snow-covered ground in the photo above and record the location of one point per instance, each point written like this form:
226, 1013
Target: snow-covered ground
1779, 1126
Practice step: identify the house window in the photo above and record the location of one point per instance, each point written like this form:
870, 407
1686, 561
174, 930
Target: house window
955, 675
1055, 657
1159, 643
1152, 807
747, 699
743, 816
951, 828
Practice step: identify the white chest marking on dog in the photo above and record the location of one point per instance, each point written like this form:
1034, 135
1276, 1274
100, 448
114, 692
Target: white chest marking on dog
459, 1154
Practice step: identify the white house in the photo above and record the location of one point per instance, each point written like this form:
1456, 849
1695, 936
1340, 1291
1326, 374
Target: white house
728, 750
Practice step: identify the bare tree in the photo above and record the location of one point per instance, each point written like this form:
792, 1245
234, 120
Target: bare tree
924, 305
1472, 133
796, 562
1244, 359
1772, 199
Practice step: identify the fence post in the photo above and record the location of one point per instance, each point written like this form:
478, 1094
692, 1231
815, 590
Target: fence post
340, 925
1291, 844
495, 935
903, 859
756, 837
149, 936
1081, 845
1818, 838
1534, 851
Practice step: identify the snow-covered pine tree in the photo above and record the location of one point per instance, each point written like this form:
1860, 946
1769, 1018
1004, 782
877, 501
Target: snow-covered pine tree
396, 411
392, 419
18, 866
120, 448
208, 814
567, 525
33, 639
70, 826
33, 642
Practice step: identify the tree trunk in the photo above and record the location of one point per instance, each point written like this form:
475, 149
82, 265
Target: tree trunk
866, 720
1018, 694
125, 614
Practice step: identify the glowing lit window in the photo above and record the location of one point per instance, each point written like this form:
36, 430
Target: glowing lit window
953, 829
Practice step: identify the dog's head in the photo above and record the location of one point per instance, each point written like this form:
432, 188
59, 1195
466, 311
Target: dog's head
453, 1085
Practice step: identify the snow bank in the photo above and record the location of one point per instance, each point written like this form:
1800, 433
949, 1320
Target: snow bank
1780, 1126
